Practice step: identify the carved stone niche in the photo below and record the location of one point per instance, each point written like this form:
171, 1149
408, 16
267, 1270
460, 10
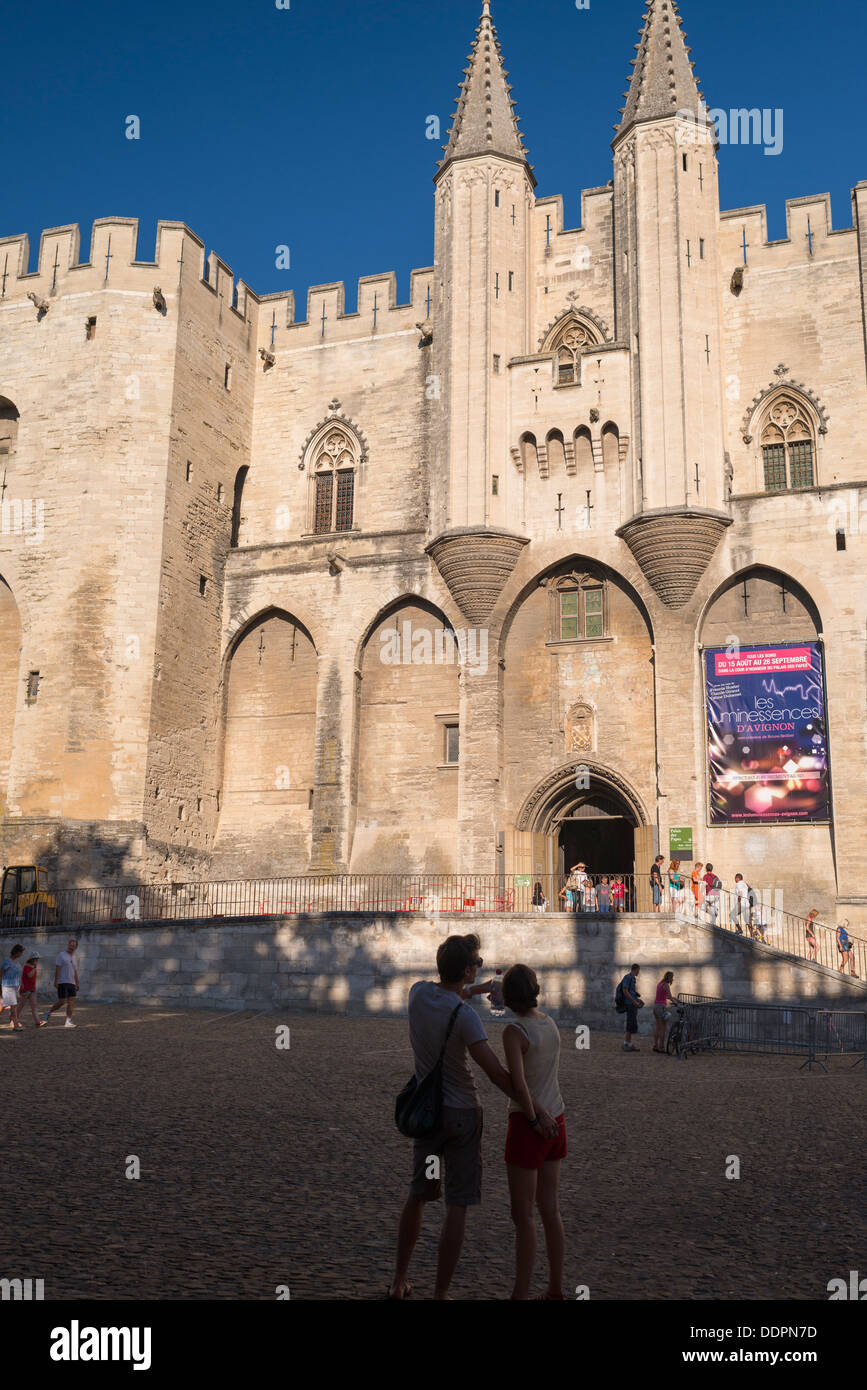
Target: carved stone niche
674, 548
476, 563
580, 730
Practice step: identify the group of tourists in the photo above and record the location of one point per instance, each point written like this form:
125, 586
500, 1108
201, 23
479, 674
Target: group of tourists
18, 985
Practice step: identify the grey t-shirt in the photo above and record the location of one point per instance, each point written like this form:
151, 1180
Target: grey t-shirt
430, 1009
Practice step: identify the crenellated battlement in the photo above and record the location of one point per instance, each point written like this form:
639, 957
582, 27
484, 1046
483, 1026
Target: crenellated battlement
809, 224
112, 264
326, 318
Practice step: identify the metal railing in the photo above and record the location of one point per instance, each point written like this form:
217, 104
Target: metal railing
445, 894
771, 927
598, 895
772, 1029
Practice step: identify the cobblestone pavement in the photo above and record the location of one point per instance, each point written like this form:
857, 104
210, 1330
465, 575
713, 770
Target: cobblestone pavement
262, 1167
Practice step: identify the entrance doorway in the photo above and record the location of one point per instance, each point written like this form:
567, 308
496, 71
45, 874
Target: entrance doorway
605, 843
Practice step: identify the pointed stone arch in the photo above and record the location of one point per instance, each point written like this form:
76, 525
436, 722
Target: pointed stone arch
266, 772
762, 404
596, 328
556, 790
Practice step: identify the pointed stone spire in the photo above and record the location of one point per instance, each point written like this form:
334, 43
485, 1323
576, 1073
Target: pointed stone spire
485, 121
662, 82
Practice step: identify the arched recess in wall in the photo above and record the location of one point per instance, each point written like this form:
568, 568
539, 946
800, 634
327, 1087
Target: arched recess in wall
759, 606
529, 453
556, 453
583, 452
8, 432
10, 661
579, 685
238, 517
269, 738
407, 748
768, 735
611, 448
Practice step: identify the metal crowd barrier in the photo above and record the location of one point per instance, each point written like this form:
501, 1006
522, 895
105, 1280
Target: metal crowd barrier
774, 1029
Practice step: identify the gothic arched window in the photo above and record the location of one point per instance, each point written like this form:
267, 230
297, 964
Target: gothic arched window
570, 341
788, 446
334, 462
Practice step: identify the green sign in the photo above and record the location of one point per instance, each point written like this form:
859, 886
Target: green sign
680, 843
523, 880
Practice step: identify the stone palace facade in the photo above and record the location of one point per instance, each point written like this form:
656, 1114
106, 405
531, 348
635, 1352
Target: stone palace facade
428, 586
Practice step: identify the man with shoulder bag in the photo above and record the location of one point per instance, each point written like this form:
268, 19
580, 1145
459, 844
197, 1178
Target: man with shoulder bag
440, 1107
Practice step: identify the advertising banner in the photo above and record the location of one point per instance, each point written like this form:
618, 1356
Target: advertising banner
767, 735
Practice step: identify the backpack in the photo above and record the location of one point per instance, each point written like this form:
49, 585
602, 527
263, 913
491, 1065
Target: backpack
716, 885
419, 1107
619, 1001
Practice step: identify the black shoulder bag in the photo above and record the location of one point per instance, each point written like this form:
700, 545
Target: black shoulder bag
419, 1107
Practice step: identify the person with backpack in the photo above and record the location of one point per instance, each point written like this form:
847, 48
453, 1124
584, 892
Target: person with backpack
445, 1033
627, 1001
712, 890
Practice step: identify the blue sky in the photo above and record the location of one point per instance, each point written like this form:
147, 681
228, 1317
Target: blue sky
306, 126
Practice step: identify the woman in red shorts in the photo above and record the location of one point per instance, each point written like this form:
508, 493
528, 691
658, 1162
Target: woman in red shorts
532, 1048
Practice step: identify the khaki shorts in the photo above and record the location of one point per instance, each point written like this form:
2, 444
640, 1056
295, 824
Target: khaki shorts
458, 1146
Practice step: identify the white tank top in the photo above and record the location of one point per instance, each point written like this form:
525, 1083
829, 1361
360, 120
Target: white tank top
541, 1063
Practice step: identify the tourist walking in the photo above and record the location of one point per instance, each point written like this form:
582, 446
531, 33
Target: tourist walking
629, 1001
675, 885
656, 882
697, 872
844, 946
10, 974
742, 903
712, 890
810, 935
66, 982
532, 1049
433, 1007
27, 992
662, 1007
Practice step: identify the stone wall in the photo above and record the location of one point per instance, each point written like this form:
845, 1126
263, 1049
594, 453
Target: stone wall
365, 963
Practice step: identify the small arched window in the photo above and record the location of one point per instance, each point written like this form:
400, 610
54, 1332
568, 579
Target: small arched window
788, 446
580, 612
335, 459
237, 518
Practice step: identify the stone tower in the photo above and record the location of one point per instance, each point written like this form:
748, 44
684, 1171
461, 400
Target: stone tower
484, 203
668, 309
